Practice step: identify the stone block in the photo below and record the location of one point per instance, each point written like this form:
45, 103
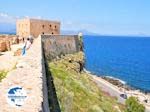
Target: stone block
3, 46
8, 45
18, 52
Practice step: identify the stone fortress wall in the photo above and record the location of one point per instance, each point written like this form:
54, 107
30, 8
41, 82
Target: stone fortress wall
29, 27
56, 45
30, 71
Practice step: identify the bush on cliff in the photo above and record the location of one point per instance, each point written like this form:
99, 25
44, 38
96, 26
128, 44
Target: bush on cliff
132, 105
76, 91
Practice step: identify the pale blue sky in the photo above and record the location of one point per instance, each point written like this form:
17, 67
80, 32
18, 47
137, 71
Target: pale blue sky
117, 17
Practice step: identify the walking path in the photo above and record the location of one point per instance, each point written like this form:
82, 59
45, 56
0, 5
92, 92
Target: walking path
28, 75
7, 60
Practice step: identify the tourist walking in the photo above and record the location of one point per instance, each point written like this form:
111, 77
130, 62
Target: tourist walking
26, 46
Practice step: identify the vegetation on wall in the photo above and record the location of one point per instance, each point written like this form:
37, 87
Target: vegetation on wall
2, 74
76, 91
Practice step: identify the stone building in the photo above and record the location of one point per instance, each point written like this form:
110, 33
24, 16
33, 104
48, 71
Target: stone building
35, 27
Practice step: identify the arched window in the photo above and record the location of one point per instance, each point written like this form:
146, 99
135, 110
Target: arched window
43, 26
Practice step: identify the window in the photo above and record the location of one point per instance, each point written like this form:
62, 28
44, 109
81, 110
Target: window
52, 33
43, 33
55, 26
50, 26
43, 26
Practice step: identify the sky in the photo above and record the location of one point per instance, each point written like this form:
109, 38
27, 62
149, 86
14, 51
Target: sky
106, 17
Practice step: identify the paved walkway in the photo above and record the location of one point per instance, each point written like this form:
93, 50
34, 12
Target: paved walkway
7, 60
28, 75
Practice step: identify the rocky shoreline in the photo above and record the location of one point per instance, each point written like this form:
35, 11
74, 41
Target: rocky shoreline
117, 82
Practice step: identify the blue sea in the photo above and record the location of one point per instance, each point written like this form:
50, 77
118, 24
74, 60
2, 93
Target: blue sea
125, 58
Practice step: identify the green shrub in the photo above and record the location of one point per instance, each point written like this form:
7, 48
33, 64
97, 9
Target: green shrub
132, 105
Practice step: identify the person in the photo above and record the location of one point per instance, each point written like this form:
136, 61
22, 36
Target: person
31, 39
26, 46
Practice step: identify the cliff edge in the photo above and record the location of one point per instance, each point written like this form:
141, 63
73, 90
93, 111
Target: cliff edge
75, 89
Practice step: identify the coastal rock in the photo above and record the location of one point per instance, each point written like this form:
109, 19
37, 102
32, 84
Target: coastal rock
76, 62
117, 83
3, 46
73, 62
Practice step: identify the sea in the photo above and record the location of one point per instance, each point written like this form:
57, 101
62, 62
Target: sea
123, 57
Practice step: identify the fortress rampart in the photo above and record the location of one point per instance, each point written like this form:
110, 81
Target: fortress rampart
30, 72
57, 45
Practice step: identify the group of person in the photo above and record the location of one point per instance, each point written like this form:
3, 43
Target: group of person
27, 44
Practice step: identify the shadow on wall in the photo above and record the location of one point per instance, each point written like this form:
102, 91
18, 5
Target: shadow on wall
52, 96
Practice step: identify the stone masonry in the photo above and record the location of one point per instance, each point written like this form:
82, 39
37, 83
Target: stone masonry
56, 45
5, 42
29, 74
35, 27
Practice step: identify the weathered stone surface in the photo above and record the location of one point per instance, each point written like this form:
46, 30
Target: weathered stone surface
18, 52
57, 45
8, 45
7, 61
29, 74
8, 38
36, 27
73, 61
3, 46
